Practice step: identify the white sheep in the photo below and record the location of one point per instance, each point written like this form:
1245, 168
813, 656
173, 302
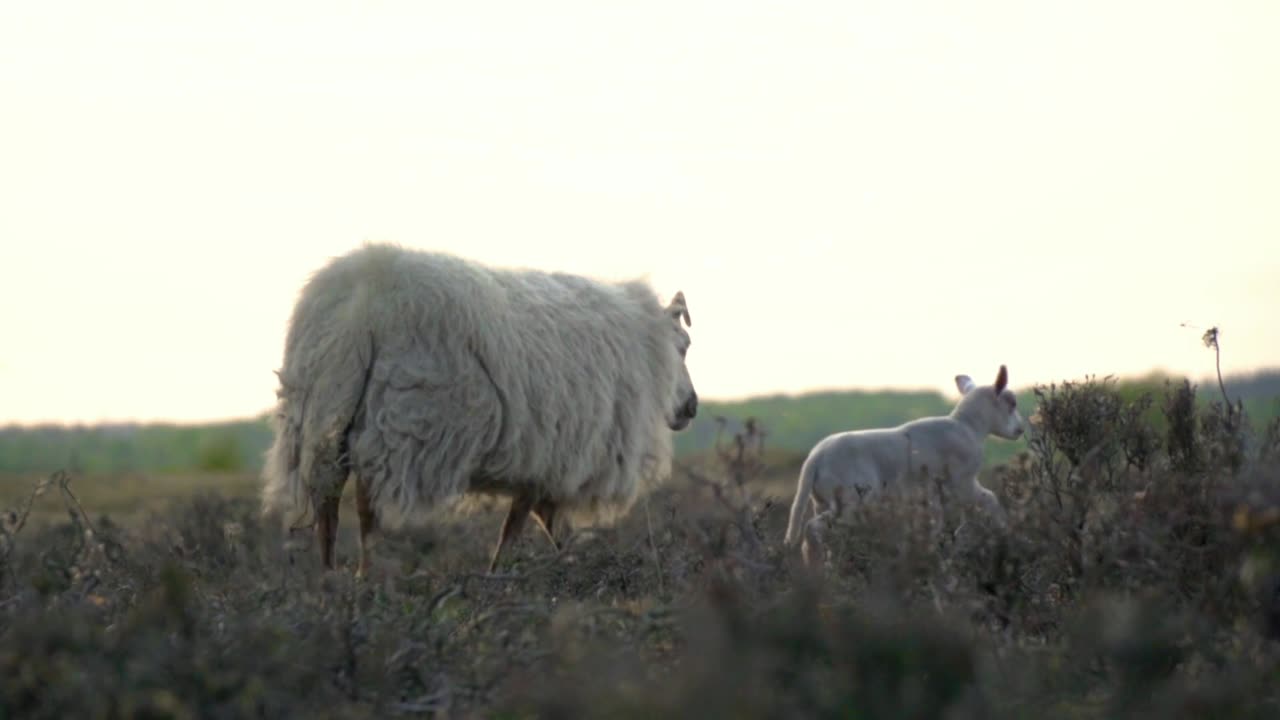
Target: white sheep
430, 377
860, 465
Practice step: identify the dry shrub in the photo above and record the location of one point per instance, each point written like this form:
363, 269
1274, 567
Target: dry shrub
810, 655
1140, 577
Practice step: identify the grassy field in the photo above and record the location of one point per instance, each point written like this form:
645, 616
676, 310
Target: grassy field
1142, 580
793, 422
127, 499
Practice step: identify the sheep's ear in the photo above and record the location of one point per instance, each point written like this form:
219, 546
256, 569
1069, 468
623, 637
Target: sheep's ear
679, 308
964, 384
1002, 379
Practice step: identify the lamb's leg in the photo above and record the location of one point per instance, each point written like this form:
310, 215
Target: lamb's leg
520, 506
327, 529
544, 511
988, 502
812, 547
368, 523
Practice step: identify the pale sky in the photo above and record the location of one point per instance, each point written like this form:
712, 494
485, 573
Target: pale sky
850, 194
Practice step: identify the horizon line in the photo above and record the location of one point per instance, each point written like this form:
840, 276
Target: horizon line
1153, 374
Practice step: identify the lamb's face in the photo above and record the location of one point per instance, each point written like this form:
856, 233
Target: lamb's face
995, 404
684, 398
1008, 422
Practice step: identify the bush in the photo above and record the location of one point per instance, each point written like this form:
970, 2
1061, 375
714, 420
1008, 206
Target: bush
1140, 578
220, 453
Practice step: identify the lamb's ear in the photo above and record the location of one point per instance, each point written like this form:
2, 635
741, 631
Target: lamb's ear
964, 384
679, 308
1002, 379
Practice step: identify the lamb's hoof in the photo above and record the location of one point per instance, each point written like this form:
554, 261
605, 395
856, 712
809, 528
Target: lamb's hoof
809, 557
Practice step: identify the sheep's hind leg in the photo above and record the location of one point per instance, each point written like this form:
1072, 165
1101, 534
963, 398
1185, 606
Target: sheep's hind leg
327, 529
328, 475
520, 507
368, 523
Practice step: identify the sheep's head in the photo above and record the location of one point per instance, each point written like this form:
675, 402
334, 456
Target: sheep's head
993, 407
685, 399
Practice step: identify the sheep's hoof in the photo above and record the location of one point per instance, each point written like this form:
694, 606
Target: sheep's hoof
371, 572
332, 579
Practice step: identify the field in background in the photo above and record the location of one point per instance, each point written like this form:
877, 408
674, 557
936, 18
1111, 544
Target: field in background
792, 423
128, 499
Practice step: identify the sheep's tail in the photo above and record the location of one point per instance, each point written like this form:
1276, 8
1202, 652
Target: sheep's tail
804, 487
322, 386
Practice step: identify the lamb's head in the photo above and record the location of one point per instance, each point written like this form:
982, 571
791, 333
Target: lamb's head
684, 405
990, 408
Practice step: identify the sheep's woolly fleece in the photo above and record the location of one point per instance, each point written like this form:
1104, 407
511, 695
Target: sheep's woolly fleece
430, 376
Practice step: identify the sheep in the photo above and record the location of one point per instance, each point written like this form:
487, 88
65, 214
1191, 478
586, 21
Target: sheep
864, 464
432, 378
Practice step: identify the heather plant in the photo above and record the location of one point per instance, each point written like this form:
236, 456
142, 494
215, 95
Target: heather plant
1139, 576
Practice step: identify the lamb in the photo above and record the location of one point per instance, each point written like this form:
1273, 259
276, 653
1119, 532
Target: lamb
861, 465
432, 378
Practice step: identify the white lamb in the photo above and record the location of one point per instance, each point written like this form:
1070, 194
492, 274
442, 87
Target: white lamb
861, 465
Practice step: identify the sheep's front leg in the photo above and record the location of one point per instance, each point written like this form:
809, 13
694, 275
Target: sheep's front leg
520, 507
544, 511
